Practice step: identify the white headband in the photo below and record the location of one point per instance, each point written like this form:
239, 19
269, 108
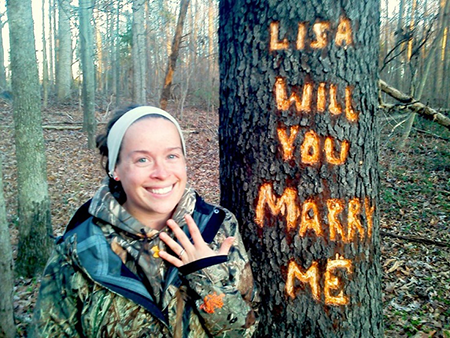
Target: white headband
119, 128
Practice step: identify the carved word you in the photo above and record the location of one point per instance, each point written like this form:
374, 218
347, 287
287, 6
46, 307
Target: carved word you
310, 148
320, 30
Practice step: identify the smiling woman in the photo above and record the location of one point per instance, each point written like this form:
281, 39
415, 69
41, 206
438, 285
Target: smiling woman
147, 252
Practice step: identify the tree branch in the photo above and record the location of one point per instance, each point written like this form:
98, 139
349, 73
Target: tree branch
414, 105
415, 239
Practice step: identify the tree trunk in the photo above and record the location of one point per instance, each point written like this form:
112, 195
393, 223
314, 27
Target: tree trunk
299, 156
44, 61
7, 327
400, 46
64, 55
165, 95
33, 200
2, 59
52, 34
117, 87
87, 63
138, 53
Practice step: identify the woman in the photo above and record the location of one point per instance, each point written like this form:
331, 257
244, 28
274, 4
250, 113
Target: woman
147, 257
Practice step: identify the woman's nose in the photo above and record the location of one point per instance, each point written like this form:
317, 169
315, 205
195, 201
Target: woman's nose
159, 170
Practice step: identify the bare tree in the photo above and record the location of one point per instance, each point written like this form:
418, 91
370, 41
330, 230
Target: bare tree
64, 54
87, 63
139, 53
175, 50
34, 205
44, 60
7, 327
2, 57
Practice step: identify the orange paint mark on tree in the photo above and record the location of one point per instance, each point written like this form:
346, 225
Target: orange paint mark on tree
354, 223
335, 207
283, 103
329, 151
286, 205
275, 44
332, 282
334, 108
350, 113
212, 302
320, 30
321, 98
301, 35
369, 216
310, 218
344, 33
287, 143
310, 276
310, 150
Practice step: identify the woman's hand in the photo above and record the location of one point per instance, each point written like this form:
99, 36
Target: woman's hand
189, 252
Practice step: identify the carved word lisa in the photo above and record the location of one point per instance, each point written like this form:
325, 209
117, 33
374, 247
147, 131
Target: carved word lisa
320, 30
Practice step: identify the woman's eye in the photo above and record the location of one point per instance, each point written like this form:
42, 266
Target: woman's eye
142, 160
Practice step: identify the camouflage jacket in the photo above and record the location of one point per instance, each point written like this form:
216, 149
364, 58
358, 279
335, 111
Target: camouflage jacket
90, 288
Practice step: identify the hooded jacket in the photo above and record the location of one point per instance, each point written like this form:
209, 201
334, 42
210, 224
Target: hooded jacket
105, 278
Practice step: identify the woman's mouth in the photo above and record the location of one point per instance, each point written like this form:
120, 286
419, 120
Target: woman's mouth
161, 191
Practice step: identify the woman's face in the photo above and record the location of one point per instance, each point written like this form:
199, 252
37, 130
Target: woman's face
152, 170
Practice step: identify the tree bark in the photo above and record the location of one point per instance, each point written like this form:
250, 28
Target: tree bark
44, 61
33, 200
165, 95
2, 59
64, 54
298, 160
139, 53
7, 327
87, 63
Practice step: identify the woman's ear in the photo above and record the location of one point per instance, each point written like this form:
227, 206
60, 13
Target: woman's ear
114, 176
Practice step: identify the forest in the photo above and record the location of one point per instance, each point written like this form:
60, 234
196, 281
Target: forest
67, 65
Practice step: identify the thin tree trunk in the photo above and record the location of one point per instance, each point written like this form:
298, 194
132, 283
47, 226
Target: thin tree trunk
44, 61
444, 13
100, 69
64, 60
2, 59
87, 63
298, 160
33, 200
400, 46
116, 66
139, 53
165, 95
7, 326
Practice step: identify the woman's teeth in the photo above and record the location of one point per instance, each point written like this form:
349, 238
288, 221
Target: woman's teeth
162, 190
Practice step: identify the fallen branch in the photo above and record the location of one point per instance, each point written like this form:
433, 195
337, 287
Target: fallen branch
73, 126
415, 239
415, 106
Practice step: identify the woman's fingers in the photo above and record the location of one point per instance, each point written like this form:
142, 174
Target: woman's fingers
226, 245
171, 259
184, 250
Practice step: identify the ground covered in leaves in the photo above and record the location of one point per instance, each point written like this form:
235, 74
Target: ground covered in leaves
415, 207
